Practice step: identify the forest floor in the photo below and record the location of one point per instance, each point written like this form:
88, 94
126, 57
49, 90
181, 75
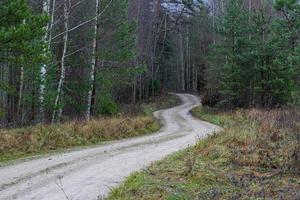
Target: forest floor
134, 120
90, 173
257, 156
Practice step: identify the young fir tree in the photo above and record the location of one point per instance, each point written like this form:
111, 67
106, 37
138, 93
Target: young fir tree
233, 48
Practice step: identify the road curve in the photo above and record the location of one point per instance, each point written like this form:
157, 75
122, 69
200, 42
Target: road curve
91, 173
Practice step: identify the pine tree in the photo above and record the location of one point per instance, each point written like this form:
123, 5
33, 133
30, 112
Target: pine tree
233, 49
273, 76
21, 40
260, 55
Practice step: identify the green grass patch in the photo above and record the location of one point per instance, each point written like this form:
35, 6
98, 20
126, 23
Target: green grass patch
216, 117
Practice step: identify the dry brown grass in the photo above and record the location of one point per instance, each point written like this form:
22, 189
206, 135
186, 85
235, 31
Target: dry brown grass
288, 118
256, 157
135, 120
42, 138
277, 143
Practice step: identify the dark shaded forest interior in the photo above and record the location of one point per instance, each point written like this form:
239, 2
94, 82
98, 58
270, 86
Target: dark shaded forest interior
78, 59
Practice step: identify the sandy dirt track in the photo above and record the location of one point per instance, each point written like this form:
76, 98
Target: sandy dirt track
91, 173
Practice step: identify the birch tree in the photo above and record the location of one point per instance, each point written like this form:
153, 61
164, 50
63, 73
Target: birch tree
57, 109
94, 62
50, 10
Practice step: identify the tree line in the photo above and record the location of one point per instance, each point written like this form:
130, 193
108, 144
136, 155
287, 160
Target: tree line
80, 58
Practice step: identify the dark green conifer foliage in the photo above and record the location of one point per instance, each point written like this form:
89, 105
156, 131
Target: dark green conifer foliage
259, 52
23, 51
233, 48
287, 35
117, 43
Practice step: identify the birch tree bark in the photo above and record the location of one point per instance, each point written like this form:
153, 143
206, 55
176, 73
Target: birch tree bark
94, 63
63, 67
47, 39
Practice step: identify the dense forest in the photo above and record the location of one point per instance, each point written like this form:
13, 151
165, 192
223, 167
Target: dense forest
67, 59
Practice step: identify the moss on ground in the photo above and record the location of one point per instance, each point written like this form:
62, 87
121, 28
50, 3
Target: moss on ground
256, 157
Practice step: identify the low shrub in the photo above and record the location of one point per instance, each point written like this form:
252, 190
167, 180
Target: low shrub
210, 98
108, 107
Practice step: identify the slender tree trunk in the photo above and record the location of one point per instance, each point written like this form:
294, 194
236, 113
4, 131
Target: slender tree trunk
20, 101
5, 79
10, 98
188, 66
63, 68
94, 95
178, 71
214, 22
43, 70
94, 63
33, 106
196, 79
182, 63
250, 10
140, 87
152, 79
134, 90
46, 9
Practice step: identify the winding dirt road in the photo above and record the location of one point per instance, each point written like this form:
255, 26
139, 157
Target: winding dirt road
91, 173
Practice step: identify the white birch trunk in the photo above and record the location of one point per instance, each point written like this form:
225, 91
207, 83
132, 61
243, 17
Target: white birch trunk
63, 68
46, 5
43, 70
51, 23
93, 65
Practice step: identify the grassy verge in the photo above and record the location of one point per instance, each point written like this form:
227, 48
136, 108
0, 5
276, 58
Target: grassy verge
256, 157
41, 139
